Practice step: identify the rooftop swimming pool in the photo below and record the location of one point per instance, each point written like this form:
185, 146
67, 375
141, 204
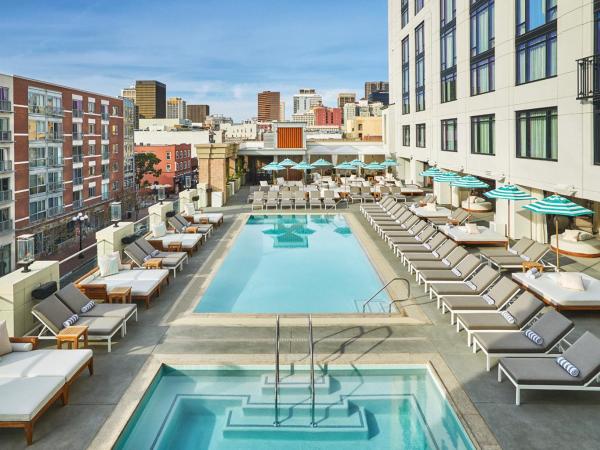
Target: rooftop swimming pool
391, 407
301, 263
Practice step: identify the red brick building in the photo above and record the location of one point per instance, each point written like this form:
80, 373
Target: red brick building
328, 116
68, 157
175, 164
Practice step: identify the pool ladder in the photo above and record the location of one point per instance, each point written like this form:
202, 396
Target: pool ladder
406, 282
311, 352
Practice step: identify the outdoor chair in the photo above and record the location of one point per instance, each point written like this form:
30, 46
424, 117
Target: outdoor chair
329, 199
272, 200
474, 284
425, 247
517, 249
139, 256
286, 199
299, 199
408, 258
315, 199
258, 200
534, 253
457, 217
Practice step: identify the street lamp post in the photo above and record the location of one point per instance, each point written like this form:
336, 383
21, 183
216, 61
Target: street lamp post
79, 220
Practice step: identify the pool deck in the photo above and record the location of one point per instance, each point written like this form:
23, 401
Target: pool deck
166, 332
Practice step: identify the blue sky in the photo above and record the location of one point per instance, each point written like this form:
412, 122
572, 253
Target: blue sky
206, 51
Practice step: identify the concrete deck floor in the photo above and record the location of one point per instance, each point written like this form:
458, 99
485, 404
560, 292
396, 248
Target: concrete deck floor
546, 420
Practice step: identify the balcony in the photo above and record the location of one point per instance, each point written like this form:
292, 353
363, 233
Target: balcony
77, 113
6, 226
105, 155
36, 109
5, 106
77, 204
105, 196
77, 157
77, 136
55, 161
54, 111
39, 162
55, 187
588, 82
104, 115
5, 136
5, 165
104, 136
55, 136
6, 196
55, 210
78, 181
38, 216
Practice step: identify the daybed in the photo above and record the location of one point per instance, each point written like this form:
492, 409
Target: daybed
571, 243
160, 239
189, 213
476, 204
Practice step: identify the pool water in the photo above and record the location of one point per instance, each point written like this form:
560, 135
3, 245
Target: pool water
392, 407
294, 264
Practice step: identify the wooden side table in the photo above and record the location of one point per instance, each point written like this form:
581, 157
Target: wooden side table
153, 263
527, 265
175, 247
71, 336
120, 294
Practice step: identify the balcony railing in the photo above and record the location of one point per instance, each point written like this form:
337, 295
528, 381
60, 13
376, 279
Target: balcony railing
36, 217
77, 157
78, 180
54, 111
5, 106
36, 109
78, 204
55, 161
77, 113
77, 136
5, 136
588, 81
55, 187
55, 210
104, 136
55, 136
5, 165
6, 225
105, 155
6, 196
104, 115
105, 196
39, 162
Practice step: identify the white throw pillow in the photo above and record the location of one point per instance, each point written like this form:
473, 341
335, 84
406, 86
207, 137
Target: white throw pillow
189, 209
571, 281
430, 207
479, 200
472, 228
108, 265
5, 346
585, 236
571, 235
159, 230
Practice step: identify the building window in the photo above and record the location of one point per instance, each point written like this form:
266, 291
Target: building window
5, 259
596, 104
405, 76
449, 135
536, 40
404, 13
420, 129
406, 135
419, 5
448, 50
115, 148
91, 148
92, 171
482, 46
537, 134
168, 168
115, 130
420, 66
168, 155
91, 107
482, 135
91, 191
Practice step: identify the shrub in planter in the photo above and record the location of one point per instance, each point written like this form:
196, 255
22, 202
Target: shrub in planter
128, 239
170, 214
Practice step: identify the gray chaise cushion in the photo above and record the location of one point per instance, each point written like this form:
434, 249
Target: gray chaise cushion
585, 355
453, 258
16, 407
74, 299
53, 313
50, 363
519, 247
552, 326
101, 326
523, 309
469, 302
148, 248
135, 253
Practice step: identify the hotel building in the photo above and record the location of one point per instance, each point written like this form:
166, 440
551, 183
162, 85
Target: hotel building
503, 90
151, 99
176, 108
61, 152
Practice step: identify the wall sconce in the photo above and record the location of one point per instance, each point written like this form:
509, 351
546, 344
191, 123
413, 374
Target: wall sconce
25, 251
160, 192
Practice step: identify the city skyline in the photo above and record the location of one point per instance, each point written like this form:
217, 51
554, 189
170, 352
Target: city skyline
309, 53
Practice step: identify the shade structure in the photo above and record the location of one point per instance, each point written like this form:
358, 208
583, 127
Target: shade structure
469, 182
374, 166
287, 163
273, 167
358, 164
508, 192
345, 166
558, 206
389, 163
321, 163
304, 166
446, 177
431, 172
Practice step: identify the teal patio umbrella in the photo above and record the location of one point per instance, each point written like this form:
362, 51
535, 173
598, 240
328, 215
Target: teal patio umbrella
508, 192
558, 206
321, 164
374, 166
304, 166
389, 163
469, 182
447, 177
358, 164
431, 172
287, 163
273, 167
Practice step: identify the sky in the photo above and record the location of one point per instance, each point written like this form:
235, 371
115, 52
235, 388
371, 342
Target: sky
219, 52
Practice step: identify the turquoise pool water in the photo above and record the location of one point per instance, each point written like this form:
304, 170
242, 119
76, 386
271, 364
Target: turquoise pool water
356, 408
294, 264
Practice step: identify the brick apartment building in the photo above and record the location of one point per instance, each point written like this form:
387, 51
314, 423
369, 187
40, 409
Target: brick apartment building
328, 116
65, 148
175, 164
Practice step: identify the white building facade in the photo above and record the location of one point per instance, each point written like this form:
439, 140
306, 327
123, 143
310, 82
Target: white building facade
305, 100
490, 88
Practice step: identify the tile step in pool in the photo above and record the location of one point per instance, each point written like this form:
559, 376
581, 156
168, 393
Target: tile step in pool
296, 406
296, 383
352, 426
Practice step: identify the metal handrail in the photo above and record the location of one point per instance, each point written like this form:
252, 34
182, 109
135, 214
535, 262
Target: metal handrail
276, 422
364, 307
311, 346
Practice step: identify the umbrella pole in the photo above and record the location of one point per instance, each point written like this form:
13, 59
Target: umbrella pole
557, 249
508, 221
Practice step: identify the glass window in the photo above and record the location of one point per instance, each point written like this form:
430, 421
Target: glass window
406, 135
482, 135
419, 5
537, 134
420, 128
449, 87
532, 14
536, 58
447, 11
448, 51
420, 67
449, 135
482, 75
404, 13
405, 76
482, 27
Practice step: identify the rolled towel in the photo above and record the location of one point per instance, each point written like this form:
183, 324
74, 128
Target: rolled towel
510, 250
436, 254
445, 262
569, 368
489, 300
471, 285
155, 253
509, 318
71, 321
456, 272
147, 258
88, 306
533, 337
427, 246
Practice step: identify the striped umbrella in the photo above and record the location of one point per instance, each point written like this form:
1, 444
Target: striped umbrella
374, 166
431, 172
558, 206
508, 192
321, 164
469, 182
390, 163
446, 177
